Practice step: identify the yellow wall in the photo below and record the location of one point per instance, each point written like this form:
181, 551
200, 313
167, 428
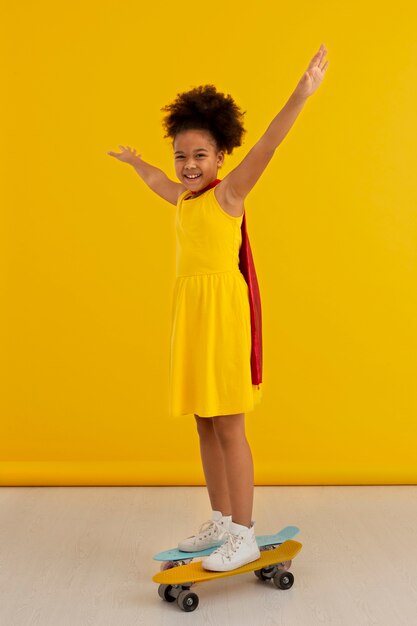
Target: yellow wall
88, 251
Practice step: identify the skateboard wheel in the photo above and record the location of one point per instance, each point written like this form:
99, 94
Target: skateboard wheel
187, 601
283, 580
170, 564
163, 591
271, 546
167, 565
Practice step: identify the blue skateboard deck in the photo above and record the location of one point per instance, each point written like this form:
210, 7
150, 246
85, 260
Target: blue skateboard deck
289, 532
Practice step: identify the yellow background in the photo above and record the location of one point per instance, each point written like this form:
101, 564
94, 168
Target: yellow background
88, 251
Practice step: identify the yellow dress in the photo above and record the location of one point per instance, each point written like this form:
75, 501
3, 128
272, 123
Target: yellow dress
210, 369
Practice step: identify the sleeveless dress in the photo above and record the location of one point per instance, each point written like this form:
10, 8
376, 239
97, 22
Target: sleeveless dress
210, 359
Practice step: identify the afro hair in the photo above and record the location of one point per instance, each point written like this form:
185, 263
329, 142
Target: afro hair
204, 108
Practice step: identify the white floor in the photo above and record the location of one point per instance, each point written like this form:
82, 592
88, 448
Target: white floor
82, 556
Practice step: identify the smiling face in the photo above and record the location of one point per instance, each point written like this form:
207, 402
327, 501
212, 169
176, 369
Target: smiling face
196, 158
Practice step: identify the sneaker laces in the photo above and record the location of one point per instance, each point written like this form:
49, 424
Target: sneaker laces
209, 525
230, 545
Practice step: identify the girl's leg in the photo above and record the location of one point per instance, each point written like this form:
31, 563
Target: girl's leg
213, 465
238, 462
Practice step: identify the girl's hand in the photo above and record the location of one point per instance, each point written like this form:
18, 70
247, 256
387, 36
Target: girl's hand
127, 155
313, 76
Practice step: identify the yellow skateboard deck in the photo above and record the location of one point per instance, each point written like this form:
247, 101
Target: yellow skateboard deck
175, 583
194, 572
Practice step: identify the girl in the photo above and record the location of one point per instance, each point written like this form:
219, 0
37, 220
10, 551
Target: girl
211, 333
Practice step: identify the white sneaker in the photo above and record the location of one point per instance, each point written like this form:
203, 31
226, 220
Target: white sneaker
211, 534
239, 548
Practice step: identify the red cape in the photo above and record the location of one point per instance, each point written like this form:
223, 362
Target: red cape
247, 267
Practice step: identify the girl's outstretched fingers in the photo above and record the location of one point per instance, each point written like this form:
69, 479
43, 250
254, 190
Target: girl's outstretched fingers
322, 53
127, 155
313, 76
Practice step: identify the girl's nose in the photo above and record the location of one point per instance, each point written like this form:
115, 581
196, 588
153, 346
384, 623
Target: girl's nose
190, 163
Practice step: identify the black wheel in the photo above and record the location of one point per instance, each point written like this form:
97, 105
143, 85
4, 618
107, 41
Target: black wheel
163, 591
283, 580
187, 601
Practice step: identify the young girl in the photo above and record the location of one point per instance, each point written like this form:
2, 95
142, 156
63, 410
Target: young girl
211, 332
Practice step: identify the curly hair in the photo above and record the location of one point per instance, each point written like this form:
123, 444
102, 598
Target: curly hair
204, 108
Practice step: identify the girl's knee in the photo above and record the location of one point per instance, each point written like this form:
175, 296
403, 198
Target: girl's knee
204, 424
229, 428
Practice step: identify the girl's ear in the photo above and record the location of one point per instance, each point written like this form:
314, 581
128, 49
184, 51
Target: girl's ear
220, 158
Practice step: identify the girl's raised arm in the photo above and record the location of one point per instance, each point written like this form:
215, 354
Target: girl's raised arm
155, 178
243, 177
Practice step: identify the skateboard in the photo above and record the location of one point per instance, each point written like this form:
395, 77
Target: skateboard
174, 557
175, 583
